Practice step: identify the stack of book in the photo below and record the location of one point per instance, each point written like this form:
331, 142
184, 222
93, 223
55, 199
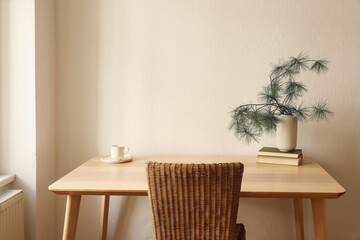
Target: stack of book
274, 156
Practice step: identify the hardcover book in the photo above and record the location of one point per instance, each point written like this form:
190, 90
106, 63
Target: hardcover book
274, 152
280, 160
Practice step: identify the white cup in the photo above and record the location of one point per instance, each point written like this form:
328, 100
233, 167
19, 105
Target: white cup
118, 151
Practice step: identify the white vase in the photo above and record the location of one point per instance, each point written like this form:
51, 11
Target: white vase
286, 133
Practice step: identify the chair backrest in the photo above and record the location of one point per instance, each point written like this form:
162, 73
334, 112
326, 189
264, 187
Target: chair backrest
194, 201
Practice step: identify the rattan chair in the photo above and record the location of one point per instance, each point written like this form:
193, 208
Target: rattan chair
195, 201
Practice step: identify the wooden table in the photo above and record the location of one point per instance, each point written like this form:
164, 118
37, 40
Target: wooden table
95, 177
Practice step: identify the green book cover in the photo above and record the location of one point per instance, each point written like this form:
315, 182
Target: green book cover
271, 151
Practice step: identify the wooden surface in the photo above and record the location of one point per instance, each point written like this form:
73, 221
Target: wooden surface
299, 218
71, 216
95, 177
104, 216
320, 220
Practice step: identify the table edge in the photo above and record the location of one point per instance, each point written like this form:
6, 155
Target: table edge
242, 194
323, 195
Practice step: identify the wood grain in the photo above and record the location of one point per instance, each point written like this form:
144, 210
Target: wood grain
299, 218
71, 216
320, 220
104, 216
95, 177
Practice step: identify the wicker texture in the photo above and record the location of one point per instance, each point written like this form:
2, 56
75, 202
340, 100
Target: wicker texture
195, 201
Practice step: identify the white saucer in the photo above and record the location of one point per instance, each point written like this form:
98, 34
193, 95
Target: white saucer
126, 158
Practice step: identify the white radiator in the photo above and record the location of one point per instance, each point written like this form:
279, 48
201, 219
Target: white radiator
12, 215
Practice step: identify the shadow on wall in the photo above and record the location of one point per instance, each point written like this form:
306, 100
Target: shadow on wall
131, 218
4, 85
333, 144
123, 217
77, 102
79, 76
272, 210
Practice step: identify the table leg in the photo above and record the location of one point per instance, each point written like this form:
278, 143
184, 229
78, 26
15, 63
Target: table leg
104, 216
71, 216
299, 218
320, 221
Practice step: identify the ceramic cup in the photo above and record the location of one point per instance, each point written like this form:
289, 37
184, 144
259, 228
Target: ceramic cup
118, 151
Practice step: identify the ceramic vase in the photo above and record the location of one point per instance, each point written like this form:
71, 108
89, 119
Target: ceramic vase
286, 133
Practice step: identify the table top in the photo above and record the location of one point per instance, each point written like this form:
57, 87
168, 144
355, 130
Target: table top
95, 177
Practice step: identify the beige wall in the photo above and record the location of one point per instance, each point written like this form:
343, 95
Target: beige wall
17, 99
161, 77
28, 108
45, 118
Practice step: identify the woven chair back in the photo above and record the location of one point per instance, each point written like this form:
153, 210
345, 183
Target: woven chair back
194, 201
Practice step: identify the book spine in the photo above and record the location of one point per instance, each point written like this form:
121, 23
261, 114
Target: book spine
280, 160
285, 155
291, 163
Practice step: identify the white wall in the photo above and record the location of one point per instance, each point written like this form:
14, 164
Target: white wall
161, 77
17, 99
45, 118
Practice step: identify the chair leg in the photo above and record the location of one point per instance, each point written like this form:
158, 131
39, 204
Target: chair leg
240, 232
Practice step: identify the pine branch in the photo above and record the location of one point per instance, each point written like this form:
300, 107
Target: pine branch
250, 121
320, 111
319, 66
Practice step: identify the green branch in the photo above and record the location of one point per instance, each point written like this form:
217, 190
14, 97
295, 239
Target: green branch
250, 121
